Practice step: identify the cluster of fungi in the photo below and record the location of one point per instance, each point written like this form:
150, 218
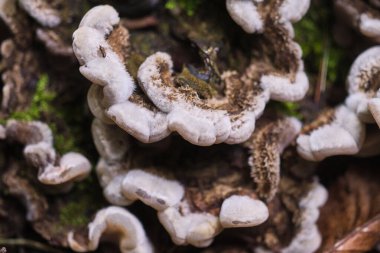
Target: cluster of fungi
183, 128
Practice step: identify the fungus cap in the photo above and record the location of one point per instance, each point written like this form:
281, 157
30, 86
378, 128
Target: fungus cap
335, 132
130, 233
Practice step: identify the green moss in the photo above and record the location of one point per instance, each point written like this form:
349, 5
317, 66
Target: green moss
40, 102
188, 6
288, 108
42, 108
73, 214
83, 202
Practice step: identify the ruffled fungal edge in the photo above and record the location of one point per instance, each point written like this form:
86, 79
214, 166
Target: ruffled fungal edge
246, 14
167, 196
39, 152
206, 127
113, 86
194, 119
361, 16
307, 238
41, 12
118, 222
363, 86
335, 132
252, 17
266, 146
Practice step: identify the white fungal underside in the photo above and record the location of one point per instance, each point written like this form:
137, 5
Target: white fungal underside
123, 186
127, 228
344, 135
364, 103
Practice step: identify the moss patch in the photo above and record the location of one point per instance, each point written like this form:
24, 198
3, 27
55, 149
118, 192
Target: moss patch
42, 108
83, 202
288, 108
188, 6
41, 100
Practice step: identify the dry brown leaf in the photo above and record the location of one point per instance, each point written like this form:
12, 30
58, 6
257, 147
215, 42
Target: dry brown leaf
350, 220
361, 239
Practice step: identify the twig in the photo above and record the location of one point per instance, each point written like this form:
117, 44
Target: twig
322, 77
144, 22
30, 244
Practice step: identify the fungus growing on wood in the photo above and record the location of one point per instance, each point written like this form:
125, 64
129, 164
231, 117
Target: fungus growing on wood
308, 238
335, 132
173, 191
195, 201
253, 15
266, 145
53, 22
274, 21
363, 86
41, 11
40, 153
297, 205
201, 122
364, 16
120, 226
242, 211
161, 104
341, 131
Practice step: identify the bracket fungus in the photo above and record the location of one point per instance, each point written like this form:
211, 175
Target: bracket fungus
196, 200
273, 19
41, 11
39, 152
192, 214
364, 16
363, 86
308, 238
266, 145
335, 132
113, 224
253, 15
297, 204
199, 122
161, 105
53, 22
341, 131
